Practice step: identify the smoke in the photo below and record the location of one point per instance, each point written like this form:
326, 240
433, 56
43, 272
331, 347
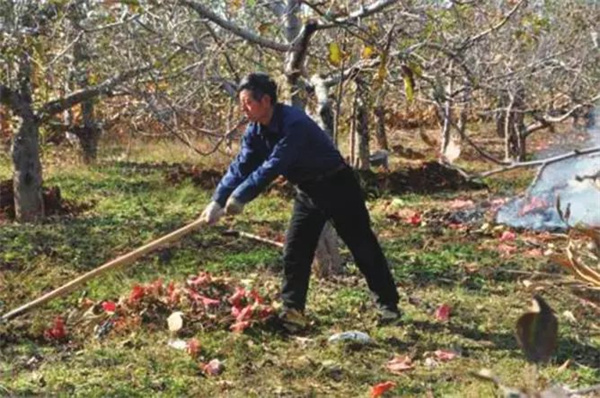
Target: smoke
575, 182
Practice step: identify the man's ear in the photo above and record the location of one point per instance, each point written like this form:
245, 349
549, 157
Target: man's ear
265, 97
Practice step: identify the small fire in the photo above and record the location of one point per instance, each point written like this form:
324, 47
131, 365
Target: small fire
535, 203
565, 193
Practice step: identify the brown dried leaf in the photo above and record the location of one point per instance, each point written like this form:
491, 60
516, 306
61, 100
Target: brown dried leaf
400, 364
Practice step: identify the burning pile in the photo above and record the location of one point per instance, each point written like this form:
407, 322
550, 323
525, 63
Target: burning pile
560, 189
569, 187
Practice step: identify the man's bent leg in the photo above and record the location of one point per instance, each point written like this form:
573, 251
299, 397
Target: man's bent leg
302, 238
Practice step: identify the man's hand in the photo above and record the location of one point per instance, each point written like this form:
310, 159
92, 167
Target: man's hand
212, 213
233, 206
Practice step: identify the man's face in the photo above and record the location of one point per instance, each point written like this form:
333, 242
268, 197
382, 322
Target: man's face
255, 111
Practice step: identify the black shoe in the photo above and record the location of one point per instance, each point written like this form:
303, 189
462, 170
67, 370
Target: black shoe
293, 320
388, 316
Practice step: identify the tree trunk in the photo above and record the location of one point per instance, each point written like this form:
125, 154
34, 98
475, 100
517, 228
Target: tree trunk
327, 257
450, 143
380, 135
88, 131
27, 177
88, 137
511, 126
362, 127
327, 260
324, 112
293, 67
5, 129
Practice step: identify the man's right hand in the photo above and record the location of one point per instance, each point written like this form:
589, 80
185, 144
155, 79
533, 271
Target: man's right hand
212, 213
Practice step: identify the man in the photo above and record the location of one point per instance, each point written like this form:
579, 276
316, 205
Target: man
282, 140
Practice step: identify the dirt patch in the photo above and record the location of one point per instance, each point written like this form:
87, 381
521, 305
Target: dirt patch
204, 178
54, 204
427, 178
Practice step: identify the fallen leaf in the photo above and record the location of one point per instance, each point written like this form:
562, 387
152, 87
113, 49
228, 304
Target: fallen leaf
445, 355
506, 250
236, 311
208, 302
508, 236
238, 295
137, 293
239, 327
109, 306
457, 226
399, 364
378, 389
213, 368
175, 321
460, 204
442, 313
86, 302
570, 317
431, 363
257, 297
201, 280
564, 366
192, 347
156, 287
415, 219
533, 253
57, 331
173, 293
177, 344
244, 314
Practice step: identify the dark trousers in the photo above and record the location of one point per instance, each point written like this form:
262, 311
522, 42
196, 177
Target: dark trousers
339, 199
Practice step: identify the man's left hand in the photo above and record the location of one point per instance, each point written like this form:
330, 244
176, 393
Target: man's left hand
233, 206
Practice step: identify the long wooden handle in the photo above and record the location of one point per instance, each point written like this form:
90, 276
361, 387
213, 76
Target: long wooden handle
125, 259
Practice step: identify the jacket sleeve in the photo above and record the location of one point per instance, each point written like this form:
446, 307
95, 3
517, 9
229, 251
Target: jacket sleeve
243, 165
284, 153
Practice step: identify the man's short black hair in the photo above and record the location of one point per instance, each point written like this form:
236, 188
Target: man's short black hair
259, 84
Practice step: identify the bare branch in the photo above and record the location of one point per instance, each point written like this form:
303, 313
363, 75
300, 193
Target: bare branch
546, 121
294, 65
205, 12
64, 50
363, 12
542, 162
215, 37
475, 38
111, 25
61, 104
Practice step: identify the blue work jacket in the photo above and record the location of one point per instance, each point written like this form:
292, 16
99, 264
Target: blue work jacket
292, 145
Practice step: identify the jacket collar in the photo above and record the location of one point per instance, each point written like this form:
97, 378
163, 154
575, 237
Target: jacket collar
274, 125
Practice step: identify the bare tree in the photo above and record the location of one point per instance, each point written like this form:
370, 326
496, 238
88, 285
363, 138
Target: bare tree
27, 25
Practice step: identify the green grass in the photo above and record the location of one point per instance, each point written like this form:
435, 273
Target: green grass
131, 205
